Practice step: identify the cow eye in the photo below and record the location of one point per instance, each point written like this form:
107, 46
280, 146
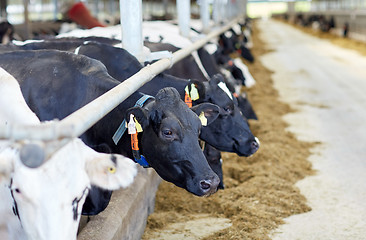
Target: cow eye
228, 109
167, 133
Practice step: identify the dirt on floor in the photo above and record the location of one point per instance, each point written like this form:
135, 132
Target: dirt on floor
259, 190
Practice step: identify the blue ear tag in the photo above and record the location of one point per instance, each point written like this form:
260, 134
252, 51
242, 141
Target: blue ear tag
142, 161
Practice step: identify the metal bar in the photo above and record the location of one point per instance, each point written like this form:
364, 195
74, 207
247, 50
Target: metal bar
27, 24
81, 120
55, 9
205, 15
131, 23
184, 16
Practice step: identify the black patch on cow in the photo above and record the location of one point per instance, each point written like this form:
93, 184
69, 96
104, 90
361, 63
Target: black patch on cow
15, 206
96, 201
75, 204
114, 159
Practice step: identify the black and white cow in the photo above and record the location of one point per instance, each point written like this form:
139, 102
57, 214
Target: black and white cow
46, 202
121, 65
219, 134
56, 83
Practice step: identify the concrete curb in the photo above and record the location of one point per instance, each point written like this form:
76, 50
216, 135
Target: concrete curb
126, 215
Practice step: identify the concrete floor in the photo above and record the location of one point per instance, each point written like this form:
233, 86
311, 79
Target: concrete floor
327, 85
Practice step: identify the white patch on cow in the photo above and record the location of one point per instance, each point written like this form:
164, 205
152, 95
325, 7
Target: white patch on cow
77, 50
154, 30
6, 165
12, 103
248, 35
257, 140
237, 29
249, 80
211, 48
200, 65
228, 34
108, 32
223, 86
21, 43
50, 198
230, 78
103, 172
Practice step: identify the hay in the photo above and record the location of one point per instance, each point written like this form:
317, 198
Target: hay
259, 190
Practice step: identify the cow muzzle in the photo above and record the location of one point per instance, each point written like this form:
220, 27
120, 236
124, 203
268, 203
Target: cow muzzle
209, 186
247, 148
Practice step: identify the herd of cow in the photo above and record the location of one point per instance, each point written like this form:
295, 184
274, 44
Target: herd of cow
180, 120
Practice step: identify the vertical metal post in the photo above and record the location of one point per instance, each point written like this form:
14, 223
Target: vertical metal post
165, 5
40, 16
216, 12
244, 8
131, 23
55, 9
184, 16
205, 15
26, 20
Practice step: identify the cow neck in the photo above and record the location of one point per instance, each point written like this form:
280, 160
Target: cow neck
140, 159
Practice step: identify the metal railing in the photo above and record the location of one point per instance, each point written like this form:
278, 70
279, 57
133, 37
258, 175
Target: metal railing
81, 120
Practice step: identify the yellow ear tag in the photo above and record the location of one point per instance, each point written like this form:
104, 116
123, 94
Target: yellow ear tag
203, 119
112, 169
194, 93
186, 89
138, 126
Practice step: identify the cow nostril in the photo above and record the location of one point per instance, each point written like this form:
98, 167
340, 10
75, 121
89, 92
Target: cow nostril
205, 184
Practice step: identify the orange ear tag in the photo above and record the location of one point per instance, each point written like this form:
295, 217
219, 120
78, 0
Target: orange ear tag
134, 142
188, 100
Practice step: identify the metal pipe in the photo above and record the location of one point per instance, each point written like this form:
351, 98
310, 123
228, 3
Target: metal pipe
184, 16
131, 23
81, 120
55, 10
205, 15
27, 24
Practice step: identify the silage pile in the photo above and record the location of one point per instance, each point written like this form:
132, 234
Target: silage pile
259, 190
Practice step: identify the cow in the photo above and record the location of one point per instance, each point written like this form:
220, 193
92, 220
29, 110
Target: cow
46, 202
121, 65
57, 83
162, 32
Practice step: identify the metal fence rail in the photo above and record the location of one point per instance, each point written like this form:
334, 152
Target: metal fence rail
81, 120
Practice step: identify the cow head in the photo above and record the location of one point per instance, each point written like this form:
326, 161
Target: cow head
48, 200
170, 142
230, 131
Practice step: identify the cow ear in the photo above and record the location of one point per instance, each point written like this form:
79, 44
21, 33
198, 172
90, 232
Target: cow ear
110, 172
201, 89
140, 114
216, 79
207, 112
